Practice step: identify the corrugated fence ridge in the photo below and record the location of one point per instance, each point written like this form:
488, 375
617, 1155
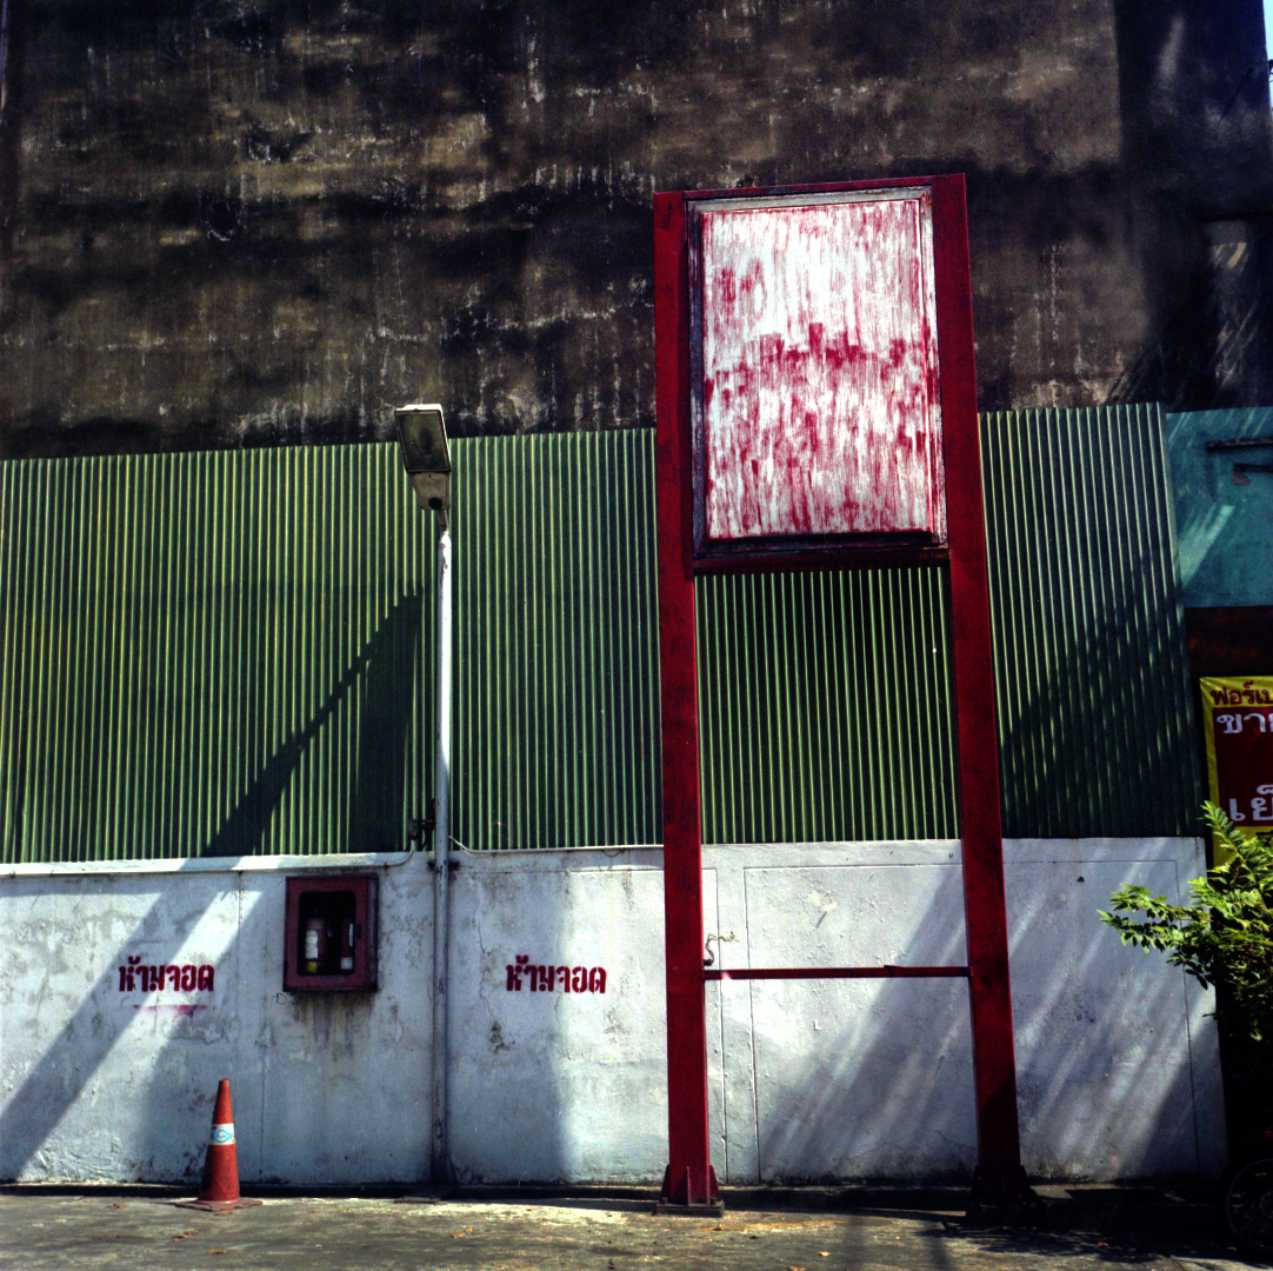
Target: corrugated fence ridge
825, 706
556, 637
210, 654
231, 653
1096, 713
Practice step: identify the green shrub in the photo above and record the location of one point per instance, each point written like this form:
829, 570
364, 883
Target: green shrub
1224, 937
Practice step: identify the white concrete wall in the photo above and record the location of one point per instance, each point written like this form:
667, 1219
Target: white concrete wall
99, 1083
1117, 1060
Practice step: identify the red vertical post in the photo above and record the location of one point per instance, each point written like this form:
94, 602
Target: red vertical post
689, 1180
999, 1174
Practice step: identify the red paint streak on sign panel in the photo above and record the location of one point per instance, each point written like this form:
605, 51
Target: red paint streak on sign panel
819, 397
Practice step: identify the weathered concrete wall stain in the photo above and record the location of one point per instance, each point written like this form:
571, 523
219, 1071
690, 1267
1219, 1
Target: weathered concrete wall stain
238, 222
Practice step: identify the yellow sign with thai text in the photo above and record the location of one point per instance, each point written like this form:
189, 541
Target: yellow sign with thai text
1237, 717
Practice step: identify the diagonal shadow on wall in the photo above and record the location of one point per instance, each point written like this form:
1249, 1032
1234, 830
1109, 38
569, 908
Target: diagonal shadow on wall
65, 1071
1107, 1056
382, 671
861, 1079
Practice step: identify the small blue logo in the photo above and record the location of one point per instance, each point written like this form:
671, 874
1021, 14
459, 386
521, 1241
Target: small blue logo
222, 1135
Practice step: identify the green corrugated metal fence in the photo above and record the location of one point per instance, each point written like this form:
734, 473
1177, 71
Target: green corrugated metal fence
557, 696
1096, 714
825, 703
210, 654
826, 697
231, 653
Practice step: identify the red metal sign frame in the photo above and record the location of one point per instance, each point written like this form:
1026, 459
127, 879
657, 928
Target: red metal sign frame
690, 1180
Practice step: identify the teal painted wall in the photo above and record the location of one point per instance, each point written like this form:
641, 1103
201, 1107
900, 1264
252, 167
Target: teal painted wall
1224, 519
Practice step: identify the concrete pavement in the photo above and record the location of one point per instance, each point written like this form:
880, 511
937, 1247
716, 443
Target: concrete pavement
1081, 1229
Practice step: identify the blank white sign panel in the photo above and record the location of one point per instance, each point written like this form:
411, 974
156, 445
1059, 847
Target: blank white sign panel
817, 409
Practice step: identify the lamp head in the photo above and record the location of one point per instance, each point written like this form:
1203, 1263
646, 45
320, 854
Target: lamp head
426, 454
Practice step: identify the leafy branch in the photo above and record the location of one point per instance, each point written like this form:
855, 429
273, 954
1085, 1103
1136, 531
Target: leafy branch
1224, 937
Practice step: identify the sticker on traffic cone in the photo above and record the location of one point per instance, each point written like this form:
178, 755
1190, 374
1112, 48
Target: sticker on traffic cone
219, 1191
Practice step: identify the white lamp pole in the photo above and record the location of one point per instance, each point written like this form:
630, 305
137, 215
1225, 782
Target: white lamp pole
439, 1153
427, 459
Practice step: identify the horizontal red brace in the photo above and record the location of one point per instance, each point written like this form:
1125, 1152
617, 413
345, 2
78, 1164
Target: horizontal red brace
841, 973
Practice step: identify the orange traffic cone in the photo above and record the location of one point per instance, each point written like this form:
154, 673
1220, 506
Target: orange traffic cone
219, 1191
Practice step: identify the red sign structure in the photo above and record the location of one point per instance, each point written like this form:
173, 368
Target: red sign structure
816, 403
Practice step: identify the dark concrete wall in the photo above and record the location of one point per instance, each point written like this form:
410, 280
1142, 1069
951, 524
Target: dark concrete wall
228, 223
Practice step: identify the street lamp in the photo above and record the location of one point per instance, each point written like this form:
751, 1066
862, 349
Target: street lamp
427, 458
426, 455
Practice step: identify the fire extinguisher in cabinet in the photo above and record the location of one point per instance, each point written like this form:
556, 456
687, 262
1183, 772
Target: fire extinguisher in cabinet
347, 931
315, 941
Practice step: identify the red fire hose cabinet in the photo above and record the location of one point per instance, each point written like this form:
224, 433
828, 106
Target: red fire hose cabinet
330, 934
